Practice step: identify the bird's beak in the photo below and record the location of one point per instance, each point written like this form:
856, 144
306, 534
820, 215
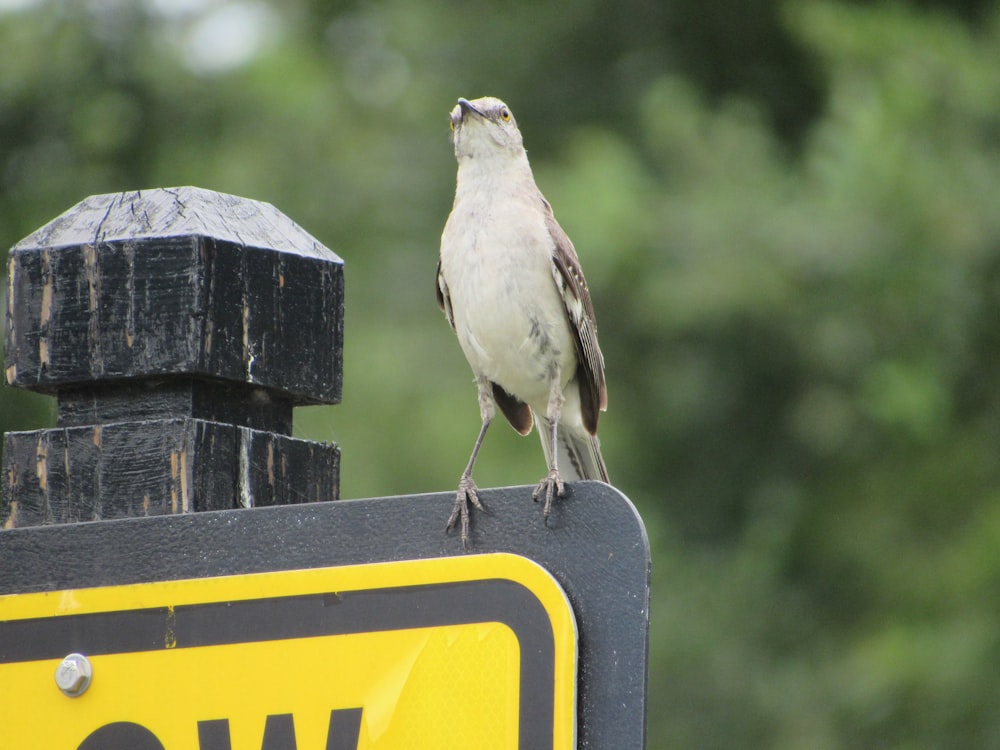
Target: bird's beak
467, 107
461, 112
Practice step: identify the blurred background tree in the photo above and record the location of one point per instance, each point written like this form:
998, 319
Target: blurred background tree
789, 215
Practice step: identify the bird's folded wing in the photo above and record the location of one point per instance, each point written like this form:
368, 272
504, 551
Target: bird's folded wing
580, 310
443, 298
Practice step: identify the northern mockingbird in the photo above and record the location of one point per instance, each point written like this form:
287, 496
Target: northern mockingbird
510, 284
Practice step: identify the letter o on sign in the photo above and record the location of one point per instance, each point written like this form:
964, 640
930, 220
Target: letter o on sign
122, 735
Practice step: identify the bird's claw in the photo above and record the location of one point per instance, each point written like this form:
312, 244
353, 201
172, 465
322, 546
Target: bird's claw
551, 485
467, 493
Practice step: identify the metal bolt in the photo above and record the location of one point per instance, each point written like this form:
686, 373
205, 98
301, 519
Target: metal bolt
73, 675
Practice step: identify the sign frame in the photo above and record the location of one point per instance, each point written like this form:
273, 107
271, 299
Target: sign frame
594, 545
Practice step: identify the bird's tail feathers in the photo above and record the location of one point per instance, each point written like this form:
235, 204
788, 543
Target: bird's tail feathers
578, 452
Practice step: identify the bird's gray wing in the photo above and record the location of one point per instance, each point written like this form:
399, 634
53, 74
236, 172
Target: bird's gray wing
517, 412
443, 298
580, 311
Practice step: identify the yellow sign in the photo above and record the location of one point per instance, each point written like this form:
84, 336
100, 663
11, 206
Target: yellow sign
465, 652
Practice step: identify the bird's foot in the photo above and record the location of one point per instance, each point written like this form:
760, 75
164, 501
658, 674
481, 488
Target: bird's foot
467, 493
551, 485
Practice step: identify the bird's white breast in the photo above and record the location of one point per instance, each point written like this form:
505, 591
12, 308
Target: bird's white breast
496, 259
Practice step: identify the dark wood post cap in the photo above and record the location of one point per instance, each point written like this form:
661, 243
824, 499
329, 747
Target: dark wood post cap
176, 281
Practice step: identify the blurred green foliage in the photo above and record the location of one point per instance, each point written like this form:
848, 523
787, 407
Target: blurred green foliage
789, 215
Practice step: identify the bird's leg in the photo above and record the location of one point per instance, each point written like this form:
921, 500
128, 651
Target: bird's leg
552, 483
467, 491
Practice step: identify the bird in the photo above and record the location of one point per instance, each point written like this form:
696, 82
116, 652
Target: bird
510, 284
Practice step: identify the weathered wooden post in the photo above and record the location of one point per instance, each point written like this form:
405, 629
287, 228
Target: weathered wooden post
176, 328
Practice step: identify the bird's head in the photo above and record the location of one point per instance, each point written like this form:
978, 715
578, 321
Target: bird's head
484, 128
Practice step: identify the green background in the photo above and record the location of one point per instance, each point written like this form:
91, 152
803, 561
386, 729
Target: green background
789, 217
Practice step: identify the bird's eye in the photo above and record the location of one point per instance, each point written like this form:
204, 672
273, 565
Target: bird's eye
451, 124
505, 114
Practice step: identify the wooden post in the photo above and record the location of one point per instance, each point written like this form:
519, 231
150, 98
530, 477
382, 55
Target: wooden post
177, 329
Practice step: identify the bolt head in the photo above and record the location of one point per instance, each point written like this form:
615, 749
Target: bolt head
73, 675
